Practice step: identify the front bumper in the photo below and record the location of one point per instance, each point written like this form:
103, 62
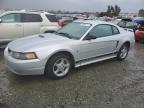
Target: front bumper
24, 67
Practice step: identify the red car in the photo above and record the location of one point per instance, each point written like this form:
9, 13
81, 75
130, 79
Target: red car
139, 35
64, 22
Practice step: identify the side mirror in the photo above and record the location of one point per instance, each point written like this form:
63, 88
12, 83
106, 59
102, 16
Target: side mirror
89, 37
0, 20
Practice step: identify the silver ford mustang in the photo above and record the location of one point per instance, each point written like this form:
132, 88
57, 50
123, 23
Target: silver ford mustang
77, 44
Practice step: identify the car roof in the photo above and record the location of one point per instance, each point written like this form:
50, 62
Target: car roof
25, 11
94, 22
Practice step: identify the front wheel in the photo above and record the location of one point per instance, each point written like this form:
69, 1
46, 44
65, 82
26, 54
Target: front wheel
58, 66
123, 52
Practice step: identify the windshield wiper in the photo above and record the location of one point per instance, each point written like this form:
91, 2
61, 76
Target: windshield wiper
64, 34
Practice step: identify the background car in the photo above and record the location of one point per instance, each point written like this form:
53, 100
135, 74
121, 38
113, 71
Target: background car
76, 44
16, 24
65, 20
139, 35
139, 20
128, 23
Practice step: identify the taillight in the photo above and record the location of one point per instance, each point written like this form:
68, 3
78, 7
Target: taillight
61, 23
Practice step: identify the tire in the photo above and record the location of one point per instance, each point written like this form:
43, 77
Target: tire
123, 52
58, 66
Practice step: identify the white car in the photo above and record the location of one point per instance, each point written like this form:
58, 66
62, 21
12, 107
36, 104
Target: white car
76, 44
17, 24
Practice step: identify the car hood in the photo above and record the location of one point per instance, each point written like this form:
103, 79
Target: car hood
36, 42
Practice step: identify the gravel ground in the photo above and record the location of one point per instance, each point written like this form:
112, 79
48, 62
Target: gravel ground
107, 84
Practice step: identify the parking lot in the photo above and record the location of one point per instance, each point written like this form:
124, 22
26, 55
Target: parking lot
108, 84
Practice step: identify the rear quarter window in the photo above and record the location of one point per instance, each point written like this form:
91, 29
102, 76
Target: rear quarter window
52, 18
115, 30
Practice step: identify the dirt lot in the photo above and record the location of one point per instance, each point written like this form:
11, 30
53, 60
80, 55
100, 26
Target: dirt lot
108, 84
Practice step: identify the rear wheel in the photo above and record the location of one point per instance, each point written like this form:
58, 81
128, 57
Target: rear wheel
58, 66
123, 52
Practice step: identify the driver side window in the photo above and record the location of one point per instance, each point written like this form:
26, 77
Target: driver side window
102, 30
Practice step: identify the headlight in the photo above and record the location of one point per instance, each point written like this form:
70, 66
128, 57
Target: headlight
24, 56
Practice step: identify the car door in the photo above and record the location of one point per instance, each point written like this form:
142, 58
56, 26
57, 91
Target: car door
11, 26
31, 23
100, 41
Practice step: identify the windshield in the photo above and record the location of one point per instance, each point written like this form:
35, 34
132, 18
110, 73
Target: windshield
74, 30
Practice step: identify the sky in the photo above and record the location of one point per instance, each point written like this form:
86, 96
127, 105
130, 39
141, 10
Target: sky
73, 5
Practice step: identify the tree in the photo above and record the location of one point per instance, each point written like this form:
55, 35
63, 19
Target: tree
113, 10
117, 10
101, 14
141, 13
109, 9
